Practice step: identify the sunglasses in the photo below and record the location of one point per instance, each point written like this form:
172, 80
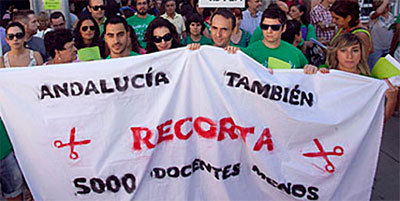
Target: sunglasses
18, 35
85, 28
274, 27
166, 37
96, 8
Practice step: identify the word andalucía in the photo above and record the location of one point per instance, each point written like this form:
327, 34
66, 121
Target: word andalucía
273, 92
104, 86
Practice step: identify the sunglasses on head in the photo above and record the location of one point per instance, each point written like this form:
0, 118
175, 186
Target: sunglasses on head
96, 8
18, 35
166, 37
85, 28
274, 27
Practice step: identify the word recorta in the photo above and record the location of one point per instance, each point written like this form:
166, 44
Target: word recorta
143, 135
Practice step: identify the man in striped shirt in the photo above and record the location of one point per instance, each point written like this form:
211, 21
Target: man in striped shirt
321, 18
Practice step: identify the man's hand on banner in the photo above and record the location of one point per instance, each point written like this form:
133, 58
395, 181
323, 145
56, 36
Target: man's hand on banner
311, 69
193, 46
231, 49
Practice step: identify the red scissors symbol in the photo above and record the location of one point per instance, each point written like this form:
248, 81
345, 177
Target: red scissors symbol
72, 143
337, 151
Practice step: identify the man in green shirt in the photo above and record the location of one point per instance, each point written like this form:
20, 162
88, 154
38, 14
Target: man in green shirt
117, 38
140, 21
97, 10
271, 51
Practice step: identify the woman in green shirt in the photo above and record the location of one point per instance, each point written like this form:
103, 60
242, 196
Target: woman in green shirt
347, 54
194, 30
299, 12
239, 36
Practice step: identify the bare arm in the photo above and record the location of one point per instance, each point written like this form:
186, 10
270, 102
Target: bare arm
391, 100
38, 58
2, 62
379, 11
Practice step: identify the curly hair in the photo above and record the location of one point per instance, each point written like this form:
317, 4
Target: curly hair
157, 23
96, 41
343, 41
197, 19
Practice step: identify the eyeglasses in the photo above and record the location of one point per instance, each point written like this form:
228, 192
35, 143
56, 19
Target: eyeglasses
274, 27
18, 35
166, 37
85, 28
96, 8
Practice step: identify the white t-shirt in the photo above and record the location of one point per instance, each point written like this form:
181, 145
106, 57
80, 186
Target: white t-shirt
379, 31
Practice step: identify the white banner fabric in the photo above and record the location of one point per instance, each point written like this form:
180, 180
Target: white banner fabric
192, 125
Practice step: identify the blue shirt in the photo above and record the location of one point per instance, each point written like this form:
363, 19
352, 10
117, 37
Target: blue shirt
250, 23
2, 38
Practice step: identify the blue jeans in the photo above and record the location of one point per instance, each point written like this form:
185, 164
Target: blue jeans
12, 182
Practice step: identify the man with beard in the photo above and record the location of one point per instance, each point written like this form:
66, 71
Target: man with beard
117, 38
28, 19
140, 21
97, 10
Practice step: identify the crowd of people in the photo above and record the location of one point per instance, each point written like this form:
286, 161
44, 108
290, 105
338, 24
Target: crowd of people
287, 31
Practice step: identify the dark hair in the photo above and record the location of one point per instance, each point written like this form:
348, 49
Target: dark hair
273, 5
112, 9
346, 8
293, 28
187, 11
55, 40
147, 1
157, 23
56, 15
78, 37
116, 20
195, 18
88, 2
274, 14
16, 24
226, 14
305, 18
134, 40
22, 15
125, 2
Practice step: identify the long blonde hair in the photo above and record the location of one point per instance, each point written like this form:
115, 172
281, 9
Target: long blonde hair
347, 40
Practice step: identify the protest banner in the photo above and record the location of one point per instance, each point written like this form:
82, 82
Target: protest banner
192, 125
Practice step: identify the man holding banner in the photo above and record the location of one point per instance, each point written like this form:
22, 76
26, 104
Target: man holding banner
272, 52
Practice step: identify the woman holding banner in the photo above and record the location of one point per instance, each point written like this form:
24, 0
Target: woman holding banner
347, 54
19, 55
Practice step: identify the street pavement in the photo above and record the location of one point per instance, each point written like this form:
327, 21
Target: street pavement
386, 183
